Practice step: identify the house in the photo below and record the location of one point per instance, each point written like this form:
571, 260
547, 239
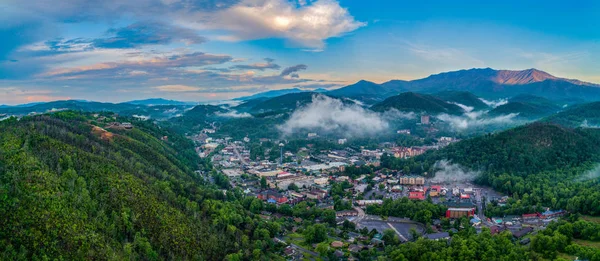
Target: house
552, 214
354, 248
496, 229
532, 216
337, 244
288, 251
521, 233
418, 195
438, 236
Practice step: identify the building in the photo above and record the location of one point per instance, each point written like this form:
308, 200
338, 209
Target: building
418, 195
425, 119
457, 210
438, 236
552, 214
405, 131
403, 152
272, 195
411, 180
523, 232
321, 181
369, 202
532, 216
342, 141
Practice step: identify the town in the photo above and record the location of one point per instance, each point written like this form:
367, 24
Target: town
324, 179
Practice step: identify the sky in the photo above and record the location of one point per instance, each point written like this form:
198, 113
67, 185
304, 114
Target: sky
204, 50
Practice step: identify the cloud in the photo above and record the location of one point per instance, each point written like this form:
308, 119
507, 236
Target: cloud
147, 33
447, 172
464, 107
20, 95
293, 69
495, 103
177, 88
475, 119
394, 114
328, 115
302, 25
233, 114
257, 66
174, 61
317, 85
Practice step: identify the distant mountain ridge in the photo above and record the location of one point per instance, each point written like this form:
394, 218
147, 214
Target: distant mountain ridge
485, 82
158, 101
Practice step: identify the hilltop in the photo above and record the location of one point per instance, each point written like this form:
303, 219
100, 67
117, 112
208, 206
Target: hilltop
583, 115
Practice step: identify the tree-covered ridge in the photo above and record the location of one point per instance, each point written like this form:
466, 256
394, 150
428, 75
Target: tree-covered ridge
578, 115
464, 98
67, 193
410, 101
532, 148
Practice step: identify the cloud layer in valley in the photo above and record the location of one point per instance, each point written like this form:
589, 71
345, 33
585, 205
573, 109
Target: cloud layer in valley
329, 115
476, 119
448, 172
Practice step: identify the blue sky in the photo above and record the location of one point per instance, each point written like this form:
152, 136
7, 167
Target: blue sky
201, 50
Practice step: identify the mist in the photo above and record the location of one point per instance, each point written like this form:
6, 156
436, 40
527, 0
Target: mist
471, 120
394, 114
328, 115
495, 103
464, 107
233, 114
447, 172
590, 174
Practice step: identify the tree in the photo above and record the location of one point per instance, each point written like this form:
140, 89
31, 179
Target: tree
263, 183
315, 234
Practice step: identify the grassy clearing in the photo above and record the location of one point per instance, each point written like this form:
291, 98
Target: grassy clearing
594, 244
591, 219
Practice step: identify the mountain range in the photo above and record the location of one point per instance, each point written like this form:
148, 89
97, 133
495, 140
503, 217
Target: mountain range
486, 83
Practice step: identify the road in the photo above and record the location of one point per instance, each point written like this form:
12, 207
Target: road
398, 232
237, 154
304, 250
361, 215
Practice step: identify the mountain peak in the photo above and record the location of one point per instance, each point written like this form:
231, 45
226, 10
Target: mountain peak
522, 77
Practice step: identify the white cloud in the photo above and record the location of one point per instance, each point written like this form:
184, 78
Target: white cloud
495, 103
464, 107
394, 114
233, 114
303, 25
325, 114
447, 172
475, 119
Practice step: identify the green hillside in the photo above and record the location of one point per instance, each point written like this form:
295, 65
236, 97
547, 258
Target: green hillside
578, 115
410, 101
541, 164
71, 189
464, 98
528, 110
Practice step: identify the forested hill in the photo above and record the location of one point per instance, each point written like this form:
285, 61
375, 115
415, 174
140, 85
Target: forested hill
72, 189
539, 164
524, 150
